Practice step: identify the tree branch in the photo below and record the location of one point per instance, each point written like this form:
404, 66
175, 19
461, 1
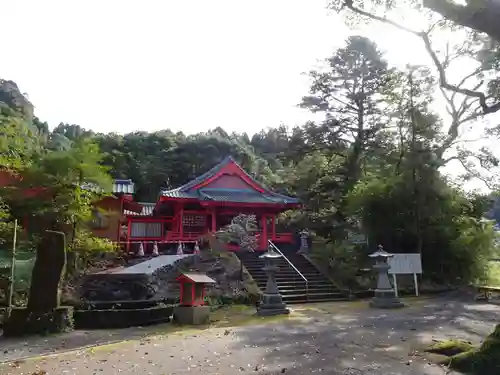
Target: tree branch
478, 15
439, 66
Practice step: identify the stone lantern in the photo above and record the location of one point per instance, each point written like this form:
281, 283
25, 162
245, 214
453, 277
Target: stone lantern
196, 249
155, 249
385, 295
180, 250
304, 241
140, 251
271, 302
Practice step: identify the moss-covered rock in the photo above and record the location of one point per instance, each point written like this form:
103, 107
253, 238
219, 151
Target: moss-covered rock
484, 360
450, 347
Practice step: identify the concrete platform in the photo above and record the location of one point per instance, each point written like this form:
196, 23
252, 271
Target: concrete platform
192, 315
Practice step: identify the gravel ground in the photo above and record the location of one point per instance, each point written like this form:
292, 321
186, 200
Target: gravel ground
321, 339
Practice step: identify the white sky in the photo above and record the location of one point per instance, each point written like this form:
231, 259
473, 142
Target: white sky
190, 65
123, 65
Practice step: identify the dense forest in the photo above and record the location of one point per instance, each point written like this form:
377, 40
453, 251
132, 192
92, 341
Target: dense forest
371, 166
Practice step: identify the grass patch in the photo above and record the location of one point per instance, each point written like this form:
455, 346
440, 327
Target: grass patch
225, 317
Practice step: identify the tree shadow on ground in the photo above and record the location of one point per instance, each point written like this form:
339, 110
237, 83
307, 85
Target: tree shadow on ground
368, 341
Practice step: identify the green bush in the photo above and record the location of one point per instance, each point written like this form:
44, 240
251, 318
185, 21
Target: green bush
122, 318
25, 261
20, 321
240, 299
342, 262
454, 241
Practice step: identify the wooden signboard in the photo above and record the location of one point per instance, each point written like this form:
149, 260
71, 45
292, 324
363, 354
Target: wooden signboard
405, 264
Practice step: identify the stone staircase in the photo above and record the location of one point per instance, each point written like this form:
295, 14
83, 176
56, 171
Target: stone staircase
290, 284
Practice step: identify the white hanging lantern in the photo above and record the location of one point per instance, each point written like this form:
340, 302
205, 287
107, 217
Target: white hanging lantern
179, 249
140, 252
196, 248
155, 249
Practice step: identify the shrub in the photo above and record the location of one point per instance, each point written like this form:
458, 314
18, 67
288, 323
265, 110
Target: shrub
20, 321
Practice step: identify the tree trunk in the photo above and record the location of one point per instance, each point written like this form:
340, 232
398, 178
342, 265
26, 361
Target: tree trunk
47, 273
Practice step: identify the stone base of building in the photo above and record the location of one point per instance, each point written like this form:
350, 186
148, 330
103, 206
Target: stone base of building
272, 304
193, 315
386, 299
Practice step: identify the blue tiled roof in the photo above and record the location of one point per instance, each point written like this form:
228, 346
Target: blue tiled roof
147, 209
223, 195
177, 193
227, 195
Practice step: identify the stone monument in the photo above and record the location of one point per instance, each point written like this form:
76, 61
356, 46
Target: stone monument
385, 295
271, 302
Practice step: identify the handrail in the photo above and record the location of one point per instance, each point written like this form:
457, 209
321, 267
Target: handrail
291, 264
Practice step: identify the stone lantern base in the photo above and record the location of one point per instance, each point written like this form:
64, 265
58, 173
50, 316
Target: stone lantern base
386, 299
272, 304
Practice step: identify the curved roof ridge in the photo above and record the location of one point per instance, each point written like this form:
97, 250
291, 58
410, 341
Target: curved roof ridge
184, 190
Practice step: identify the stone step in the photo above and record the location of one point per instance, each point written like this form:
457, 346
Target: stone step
293, 278
314, 295
290, 284
310, 287
289, 273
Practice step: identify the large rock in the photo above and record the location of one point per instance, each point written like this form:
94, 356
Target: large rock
224, 268
160, 283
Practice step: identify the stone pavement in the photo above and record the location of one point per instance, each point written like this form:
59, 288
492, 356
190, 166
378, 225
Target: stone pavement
318, 338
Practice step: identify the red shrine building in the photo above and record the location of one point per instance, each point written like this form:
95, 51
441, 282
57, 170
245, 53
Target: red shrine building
203, 205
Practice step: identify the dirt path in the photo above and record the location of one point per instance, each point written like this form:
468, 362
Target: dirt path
323, 339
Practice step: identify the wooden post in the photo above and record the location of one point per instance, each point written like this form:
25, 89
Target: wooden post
394, 279
12, 267
415, 281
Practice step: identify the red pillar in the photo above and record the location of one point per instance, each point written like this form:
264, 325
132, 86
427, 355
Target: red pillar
119, 231
214, 222
129, 230
181, 224
273, 227
264, 232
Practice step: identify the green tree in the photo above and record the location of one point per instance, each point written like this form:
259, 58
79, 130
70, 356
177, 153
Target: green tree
348, 94
67, 183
